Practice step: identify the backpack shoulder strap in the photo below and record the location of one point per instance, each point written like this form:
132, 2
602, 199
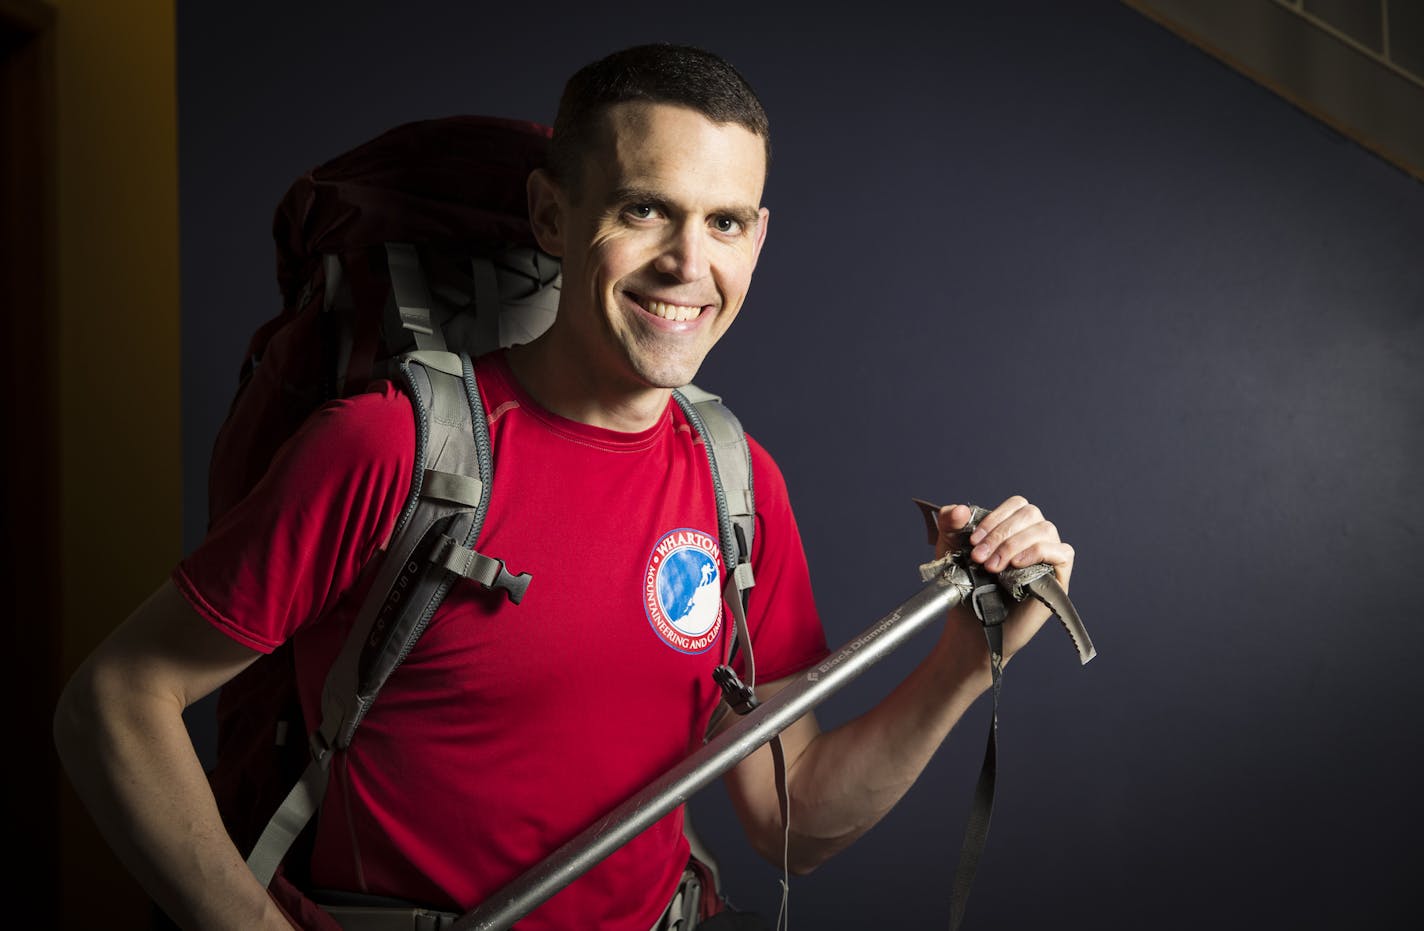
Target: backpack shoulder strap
730, 459
432, 546
731, 462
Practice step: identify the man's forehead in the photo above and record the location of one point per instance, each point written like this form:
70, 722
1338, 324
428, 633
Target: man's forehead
644, 144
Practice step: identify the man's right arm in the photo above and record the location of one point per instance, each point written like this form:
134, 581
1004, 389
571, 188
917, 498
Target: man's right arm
121, 736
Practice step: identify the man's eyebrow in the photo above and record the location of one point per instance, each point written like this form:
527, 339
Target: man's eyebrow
635, 195
748, 217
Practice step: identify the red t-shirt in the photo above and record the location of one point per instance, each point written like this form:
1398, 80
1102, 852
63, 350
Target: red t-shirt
510, 728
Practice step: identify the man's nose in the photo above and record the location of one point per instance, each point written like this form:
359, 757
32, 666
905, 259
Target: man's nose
684, 255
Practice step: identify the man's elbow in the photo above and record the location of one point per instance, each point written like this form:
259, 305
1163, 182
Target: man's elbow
75, 714
80, 708
799, 854
92, 709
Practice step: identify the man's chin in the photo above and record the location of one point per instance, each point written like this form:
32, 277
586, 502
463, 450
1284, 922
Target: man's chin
667, 373
670, 381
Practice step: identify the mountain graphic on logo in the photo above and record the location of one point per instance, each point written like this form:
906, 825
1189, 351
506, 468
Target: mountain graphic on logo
687, 591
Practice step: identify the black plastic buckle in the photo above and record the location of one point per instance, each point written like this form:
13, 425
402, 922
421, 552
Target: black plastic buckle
738, 694
513, 585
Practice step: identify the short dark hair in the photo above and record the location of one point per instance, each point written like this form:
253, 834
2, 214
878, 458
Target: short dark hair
655, 73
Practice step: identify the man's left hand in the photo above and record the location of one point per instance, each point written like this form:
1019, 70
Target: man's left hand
1014, 534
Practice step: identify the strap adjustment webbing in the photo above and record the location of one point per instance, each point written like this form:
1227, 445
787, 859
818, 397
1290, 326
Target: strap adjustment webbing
987, 600
412, 295
486, 570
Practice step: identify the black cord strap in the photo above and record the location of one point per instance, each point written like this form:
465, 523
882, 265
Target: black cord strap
976, 831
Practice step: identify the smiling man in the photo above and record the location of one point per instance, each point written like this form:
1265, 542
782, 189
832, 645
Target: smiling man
493, 743
658, 235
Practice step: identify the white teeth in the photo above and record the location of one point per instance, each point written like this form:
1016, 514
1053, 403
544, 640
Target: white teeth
674, 312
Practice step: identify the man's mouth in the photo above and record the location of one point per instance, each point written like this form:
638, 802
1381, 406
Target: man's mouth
668, 311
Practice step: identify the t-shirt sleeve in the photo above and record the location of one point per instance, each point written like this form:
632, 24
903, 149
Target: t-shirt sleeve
787, 635
329, 501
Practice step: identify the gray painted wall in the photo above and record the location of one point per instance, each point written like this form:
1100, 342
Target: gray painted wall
1018, 247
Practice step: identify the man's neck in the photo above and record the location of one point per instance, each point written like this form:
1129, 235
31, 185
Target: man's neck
570, 390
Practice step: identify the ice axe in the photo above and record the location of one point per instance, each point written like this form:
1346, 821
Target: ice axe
948, 581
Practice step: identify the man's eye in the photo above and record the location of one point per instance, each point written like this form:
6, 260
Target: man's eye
642, 211
726, 225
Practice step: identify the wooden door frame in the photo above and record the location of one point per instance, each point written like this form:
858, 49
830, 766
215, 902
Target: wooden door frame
31, 573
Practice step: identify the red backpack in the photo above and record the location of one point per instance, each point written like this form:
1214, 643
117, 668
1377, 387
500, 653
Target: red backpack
449, 192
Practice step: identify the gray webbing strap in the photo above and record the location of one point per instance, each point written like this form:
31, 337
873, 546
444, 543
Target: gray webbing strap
441, 361
733, 597
450, 555
336, 299
452, 487
335, 280
445, 402
389, 918
412, 295
289, 820
487, 302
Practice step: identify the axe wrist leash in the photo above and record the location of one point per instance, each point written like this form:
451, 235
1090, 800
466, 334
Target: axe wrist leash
986, 597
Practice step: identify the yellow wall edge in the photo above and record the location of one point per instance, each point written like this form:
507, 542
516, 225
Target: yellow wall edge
117, 363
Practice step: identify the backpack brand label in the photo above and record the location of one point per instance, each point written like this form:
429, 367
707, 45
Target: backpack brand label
399, 589
682, 590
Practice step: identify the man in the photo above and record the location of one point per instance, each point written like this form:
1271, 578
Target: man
496, 739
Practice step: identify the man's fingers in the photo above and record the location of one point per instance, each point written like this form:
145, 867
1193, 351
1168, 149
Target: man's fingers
1054, 552
1009, 518
1005, 511
1015, 549
1017, 534
1013, 534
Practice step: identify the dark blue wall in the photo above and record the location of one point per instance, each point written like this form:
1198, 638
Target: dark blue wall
1018, 247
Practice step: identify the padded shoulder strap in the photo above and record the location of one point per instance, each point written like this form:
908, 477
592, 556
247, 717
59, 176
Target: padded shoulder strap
445, 509
731, 459
731, 462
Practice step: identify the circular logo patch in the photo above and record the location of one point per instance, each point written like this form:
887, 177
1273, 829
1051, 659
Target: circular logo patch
682, 590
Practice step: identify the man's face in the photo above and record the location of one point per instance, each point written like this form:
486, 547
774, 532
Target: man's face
659, 244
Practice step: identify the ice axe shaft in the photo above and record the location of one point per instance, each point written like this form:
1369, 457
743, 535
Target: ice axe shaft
945, 588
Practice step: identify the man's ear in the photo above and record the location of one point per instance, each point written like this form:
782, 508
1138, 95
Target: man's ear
763, 221
546, 211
